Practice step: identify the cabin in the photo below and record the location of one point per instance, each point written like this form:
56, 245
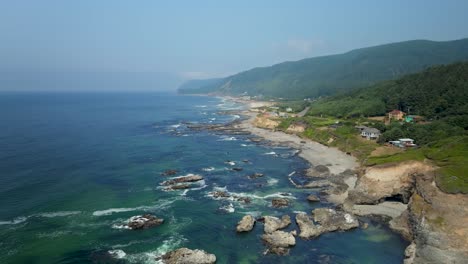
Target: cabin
289, 110
396, 115
403, 143
370, 133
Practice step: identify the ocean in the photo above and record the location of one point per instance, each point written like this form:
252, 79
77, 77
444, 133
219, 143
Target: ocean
75, 166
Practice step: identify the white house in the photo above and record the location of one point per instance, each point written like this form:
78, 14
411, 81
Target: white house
370, 133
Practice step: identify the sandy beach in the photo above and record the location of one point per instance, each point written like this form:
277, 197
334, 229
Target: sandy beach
313, 152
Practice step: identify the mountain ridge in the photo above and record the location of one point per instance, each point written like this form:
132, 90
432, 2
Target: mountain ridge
330, 74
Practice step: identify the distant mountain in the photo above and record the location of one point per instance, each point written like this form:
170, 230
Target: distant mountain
328, 75
200, 86
440, 92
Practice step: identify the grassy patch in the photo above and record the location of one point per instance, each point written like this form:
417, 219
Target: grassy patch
410, 154
451, 155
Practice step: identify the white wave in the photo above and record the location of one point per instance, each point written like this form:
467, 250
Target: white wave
270, 153
209, 169
291, 174
15, 221
228, 208
117, 253
236, 117
115, 226
247, 145
22, 219
299, 212
169, 244
226, 138
176, 126
200, 106
271, 182
58, 214
232, 163
253, 213
220, 189
185, 192
161, 204
213, 119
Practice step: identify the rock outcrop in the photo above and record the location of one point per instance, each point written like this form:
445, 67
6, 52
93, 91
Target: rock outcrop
183, 179
324, 220
188, 256
279, 242
313, 198
438, 223
274, 223
279, 202
143, 222
395, 180
245, 224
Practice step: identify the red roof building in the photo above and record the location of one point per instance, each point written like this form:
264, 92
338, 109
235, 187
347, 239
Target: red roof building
396, 115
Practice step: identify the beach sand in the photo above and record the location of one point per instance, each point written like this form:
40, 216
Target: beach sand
313, 152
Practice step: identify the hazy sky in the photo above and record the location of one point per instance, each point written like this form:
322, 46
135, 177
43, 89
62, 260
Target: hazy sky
201, 39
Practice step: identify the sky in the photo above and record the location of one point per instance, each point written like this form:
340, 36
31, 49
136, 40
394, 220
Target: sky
168, 42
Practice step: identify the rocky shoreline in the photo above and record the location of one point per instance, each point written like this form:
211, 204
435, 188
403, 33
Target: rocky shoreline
402, 194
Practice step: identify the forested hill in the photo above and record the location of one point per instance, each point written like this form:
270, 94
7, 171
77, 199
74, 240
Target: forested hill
328, 75
201, 86
440, 92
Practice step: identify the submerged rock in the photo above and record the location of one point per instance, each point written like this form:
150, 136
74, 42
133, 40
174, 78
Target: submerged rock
237, 169
245, 224
279, 242
279, 202
169, 172
255, 175
274, 223
188, 256
144, 221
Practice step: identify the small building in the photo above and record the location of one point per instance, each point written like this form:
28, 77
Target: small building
370, 133
396, 115
407, 142
283, 114
403, 143
289, 109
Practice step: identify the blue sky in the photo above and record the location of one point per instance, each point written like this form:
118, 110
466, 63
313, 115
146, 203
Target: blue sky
202, 39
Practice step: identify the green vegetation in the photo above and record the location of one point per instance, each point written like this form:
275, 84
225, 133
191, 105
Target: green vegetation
440, 92
327, 75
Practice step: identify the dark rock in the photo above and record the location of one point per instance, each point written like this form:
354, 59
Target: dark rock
144, 222
279, 202
237, 169
169, 172
183, 179
256, 175
178, 187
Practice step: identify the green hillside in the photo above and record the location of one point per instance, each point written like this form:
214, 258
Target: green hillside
200, 86
440, 92
328, 75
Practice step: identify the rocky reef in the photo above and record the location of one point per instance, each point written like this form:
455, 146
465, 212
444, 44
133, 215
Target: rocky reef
188, 256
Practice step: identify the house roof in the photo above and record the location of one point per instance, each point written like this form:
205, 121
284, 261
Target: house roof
396, 112
371, 130
406, 139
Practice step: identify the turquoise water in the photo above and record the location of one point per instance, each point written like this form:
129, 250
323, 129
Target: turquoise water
73, 167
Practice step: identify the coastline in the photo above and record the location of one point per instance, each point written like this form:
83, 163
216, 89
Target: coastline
402, 194
313, 152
